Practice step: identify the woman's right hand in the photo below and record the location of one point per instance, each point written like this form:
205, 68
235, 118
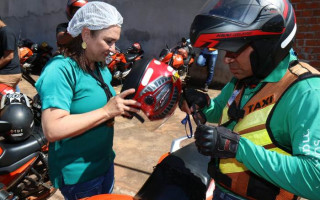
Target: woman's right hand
119, 105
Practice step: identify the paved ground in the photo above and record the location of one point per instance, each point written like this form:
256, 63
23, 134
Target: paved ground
138, 146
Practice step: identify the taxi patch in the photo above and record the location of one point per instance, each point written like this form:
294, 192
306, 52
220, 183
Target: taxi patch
260, 104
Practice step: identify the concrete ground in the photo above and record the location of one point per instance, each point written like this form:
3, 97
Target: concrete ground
138, 146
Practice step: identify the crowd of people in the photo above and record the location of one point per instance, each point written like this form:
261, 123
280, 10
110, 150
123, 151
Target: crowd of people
265, 115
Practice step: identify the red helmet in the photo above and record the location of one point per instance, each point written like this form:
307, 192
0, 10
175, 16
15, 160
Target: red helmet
136, 46
73, 6
268, 26
5, 89
158, 88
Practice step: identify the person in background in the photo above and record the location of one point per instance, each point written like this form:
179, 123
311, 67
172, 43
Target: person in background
62, 35
10, 72
79, 104
208, 57
266, 144
185, 44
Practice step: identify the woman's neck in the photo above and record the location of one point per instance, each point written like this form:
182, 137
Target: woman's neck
90, 63
92, 66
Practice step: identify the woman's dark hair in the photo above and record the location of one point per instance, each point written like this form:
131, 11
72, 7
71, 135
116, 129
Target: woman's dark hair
75, 51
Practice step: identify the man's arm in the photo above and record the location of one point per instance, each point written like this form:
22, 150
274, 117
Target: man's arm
295, 125
214, 111
6, 58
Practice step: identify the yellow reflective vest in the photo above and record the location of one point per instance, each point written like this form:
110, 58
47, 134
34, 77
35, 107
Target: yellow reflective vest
254, 125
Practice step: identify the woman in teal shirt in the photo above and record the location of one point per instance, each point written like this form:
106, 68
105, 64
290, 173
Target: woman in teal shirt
79, 105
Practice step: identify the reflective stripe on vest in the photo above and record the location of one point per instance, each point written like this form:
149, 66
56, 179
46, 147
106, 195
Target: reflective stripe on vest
253, 127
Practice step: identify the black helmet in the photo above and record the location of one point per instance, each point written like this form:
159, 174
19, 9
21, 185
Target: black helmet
73, 6
15, 108
269, 26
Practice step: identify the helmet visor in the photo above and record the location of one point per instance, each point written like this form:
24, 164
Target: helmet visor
238, 11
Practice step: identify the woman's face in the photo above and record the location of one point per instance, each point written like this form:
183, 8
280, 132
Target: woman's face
101, 43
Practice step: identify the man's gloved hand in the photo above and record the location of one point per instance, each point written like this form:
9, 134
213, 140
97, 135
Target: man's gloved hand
194, 97
218, 142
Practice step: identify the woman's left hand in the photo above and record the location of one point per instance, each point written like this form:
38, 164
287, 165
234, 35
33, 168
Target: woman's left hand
119, 105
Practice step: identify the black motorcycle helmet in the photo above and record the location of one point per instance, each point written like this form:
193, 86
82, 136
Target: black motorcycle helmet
15, 108
268, 26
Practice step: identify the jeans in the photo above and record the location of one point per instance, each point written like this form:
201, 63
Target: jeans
218, 194
208, 60
100, 185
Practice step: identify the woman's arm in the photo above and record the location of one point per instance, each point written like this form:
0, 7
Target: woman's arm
60, 124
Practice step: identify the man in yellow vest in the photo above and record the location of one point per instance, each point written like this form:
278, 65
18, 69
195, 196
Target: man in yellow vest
267, 142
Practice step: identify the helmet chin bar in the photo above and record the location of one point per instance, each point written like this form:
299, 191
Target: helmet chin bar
261, 58
136, 115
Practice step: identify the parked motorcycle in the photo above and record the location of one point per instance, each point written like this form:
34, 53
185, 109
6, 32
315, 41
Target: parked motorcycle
33, 56
178, 57
180, 174
5, 195
23, 150
120, 63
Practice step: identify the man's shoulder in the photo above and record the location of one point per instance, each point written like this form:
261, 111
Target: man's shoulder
6, 30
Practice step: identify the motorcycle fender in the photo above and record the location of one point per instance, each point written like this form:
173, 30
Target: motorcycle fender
17, 170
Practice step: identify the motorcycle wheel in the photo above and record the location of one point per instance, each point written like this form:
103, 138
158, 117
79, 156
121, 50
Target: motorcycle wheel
35, 185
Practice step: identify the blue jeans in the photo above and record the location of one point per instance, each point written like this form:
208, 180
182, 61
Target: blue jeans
17, 89
218, 194
100, 185
208, 60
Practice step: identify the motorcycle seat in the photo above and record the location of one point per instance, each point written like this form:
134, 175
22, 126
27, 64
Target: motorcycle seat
181, 175
14, 152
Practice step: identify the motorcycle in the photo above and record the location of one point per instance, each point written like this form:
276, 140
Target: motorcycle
33, 56
24, 164
5, 195
178, 57
179, 174
120, 63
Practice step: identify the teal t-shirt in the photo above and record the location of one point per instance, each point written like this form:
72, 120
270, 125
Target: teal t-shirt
64, 85
295, 126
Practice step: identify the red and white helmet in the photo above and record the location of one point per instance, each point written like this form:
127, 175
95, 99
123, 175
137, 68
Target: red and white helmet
158, 88
73, 6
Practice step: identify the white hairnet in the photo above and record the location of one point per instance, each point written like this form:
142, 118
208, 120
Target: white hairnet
95, 15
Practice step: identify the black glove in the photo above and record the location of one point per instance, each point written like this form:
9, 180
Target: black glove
218, 142
194, 97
